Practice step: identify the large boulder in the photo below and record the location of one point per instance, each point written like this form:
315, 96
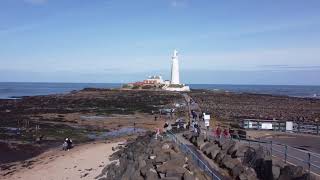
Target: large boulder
233, 149
276, 172
171, 169
200, 141
237, 170
145, 169
177, 159
208, 148
203, 145
152, 174
261, 161
175, 148
219, 157
187, 135
248, 174
220, 141
165, 167
176, 172
291, 172
263, 168
213, 153
193, 140
130, 170
166, 146
227, 145
307, 176
229, 163
171, 178
161, 158
188, 176
241, 150
136, 176
142, 163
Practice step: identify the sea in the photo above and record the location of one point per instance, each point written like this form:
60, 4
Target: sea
12, 90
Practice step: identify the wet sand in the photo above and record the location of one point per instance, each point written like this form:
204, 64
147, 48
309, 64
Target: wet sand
82, 162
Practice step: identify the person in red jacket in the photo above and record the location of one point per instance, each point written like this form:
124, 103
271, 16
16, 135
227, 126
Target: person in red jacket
226, 133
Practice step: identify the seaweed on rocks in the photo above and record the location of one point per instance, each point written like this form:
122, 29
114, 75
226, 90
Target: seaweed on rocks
234, 106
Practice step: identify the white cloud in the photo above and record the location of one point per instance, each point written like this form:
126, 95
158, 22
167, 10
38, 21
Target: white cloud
36, 1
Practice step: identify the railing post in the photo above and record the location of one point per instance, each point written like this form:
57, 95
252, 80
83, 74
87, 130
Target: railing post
309, 162
285, 154
271, 148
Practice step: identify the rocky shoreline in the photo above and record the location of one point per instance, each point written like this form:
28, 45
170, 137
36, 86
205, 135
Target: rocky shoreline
31, 125
235, 107
146, 158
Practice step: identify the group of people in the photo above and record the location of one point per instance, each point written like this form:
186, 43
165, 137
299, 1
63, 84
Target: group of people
218, 132
67, 144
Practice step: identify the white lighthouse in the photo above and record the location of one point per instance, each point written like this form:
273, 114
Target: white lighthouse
175, 84
175, 79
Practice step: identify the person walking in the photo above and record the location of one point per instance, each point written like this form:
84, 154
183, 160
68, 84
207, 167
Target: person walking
158, 133
218, 132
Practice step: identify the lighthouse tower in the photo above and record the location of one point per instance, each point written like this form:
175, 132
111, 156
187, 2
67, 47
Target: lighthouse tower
175, 79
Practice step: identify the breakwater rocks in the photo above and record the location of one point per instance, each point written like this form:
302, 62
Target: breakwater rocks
244, 162
149, 159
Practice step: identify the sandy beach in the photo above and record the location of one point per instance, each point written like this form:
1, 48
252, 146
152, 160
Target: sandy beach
82, 162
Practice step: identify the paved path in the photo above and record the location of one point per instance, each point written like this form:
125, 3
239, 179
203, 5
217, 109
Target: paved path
294, 156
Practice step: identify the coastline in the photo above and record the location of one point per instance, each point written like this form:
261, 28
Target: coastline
21, 89
101, 112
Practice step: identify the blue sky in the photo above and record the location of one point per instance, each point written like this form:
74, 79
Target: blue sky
220, 42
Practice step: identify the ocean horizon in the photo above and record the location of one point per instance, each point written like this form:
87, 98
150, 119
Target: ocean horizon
10, 90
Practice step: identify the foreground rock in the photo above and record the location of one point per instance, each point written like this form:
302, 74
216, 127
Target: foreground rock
149, 159
246, 163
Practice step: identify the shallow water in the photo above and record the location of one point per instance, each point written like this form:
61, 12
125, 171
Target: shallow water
116, 133
106, 117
